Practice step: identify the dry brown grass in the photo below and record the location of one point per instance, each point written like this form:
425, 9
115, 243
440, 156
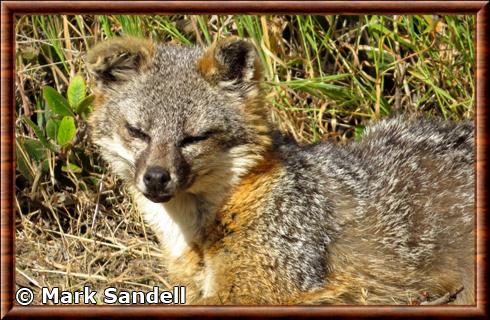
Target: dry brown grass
86, 238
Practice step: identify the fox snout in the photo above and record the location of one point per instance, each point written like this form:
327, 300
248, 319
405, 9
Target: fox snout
156, 180
161, 173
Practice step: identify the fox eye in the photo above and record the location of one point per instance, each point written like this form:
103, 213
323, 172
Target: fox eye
194, 139
191, 140
137, 133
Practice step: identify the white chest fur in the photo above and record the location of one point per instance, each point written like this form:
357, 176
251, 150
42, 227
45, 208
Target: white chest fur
175, 223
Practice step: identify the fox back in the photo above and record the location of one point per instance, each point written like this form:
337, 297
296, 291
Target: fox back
246, 215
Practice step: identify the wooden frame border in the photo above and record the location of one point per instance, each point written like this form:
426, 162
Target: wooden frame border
7, 164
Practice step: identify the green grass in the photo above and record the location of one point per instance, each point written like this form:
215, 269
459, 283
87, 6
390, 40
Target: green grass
325, 77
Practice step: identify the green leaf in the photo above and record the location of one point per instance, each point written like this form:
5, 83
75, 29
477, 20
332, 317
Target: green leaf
35, 149
66, 131
23, 163
76, 92
56, 102
51, 129
45, 166
71, 167
84, 105
40, 134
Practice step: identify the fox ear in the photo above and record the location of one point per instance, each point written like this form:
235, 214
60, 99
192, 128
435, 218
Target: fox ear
118, 59
230, 63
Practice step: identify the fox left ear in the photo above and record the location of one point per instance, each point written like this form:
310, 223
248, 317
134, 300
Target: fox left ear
231, 63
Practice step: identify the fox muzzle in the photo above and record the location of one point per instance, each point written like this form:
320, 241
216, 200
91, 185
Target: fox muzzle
156, 180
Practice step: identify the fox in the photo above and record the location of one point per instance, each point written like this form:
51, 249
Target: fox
247, 215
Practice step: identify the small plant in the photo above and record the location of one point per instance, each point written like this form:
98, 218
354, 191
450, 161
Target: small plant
60, 131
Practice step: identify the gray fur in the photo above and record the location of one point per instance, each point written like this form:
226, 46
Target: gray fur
408, 185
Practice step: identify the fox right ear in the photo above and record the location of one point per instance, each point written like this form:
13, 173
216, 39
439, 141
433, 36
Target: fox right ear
231, 63
118, 59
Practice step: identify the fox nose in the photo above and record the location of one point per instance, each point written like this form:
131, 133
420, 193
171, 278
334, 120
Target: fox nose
156, 179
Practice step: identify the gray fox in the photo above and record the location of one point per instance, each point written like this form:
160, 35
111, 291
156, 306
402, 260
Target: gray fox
247, 216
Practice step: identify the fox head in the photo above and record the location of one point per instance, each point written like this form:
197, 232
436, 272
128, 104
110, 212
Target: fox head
173, 119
